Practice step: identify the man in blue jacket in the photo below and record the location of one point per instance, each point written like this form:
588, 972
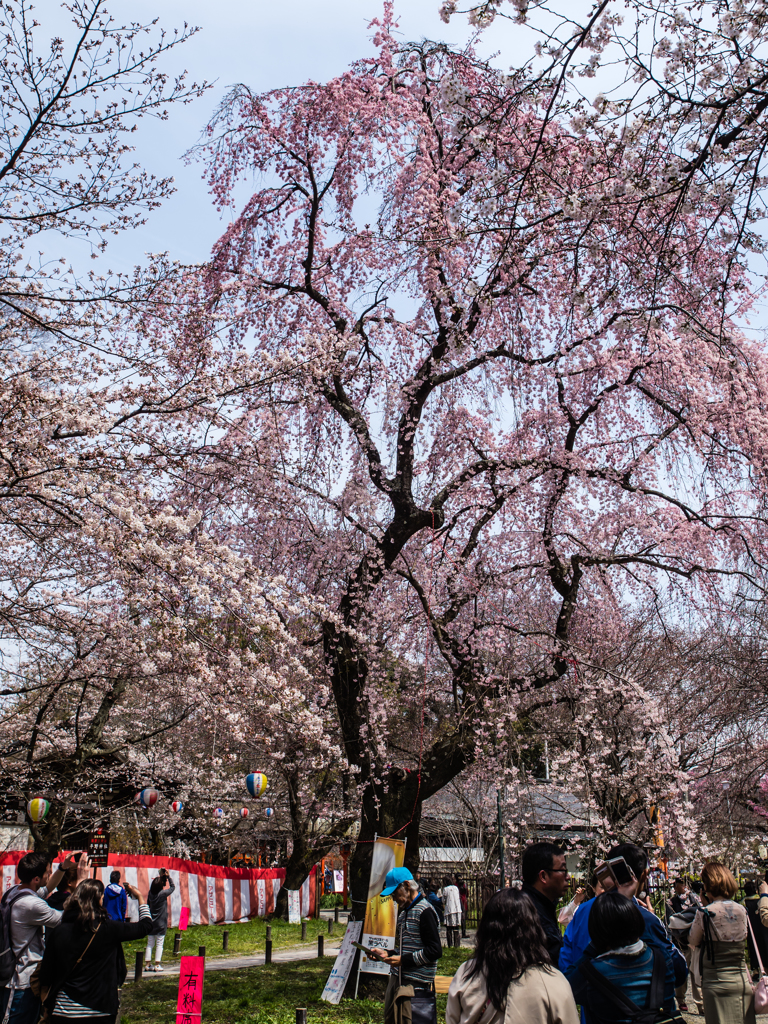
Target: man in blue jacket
115, 898
576, 941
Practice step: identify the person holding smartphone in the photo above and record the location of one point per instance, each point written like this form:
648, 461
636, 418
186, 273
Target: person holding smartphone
577, 941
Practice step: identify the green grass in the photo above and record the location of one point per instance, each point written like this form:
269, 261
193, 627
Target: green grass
247, 937
264, 995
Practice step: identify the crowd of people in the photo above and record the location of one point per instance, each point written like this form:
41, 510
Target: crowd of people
62, 934
611, 955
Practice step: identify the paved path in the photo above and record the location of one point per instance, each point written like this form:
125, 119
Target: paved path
233, 963
306, 951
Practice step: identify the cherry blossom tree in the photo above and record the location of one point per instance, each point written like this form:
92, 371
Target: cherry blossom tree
120, 618
502, 425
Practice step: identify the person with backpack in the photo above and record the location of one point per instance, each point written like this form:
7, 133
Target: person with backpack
115, 898
717, 936
24, 914
621, 979
83, 965
158, 908
576, 938
510, 976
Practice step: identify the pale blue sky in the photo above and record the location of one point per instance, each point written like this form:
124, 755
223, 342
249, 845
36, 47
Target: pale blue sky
264, 44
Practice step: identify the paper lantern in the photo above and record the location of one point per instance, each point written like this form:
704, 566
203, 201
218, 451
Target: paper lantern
177, 806
38, 808
268, 811
218, 812
148, 797
244, 812
256, 783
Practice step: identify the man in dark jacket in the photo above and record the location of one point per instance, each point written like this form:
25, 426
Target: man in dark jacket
545, 879
115, 898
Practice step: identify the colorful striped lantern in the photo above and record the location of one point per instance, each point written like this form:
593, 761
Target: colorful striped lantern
38, 808
177, 806
218, 812
244, 812
256, 783
268, 811
148, 797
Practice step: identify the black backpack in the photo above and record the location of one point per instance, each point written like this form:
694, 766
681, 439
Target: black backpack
654, 1013
8, 958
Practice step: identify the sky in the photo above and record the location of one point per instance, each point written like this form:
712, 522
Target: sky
264, 44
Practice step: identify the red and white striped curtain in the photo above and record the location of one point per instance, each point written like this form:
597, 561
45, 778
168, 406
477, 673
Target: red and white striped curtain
214, 895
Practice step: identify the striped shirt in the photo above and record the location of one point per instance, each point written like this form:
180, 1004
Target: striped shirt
66, 1007
418, 939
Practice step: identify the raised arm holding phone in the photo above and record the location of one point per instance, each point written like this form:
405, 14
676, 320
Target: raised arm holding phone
627, 878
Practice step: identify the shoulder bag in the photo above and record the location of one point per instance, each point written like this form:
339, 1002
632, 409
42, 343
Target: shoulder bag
654, 1013
761, 988
44, 994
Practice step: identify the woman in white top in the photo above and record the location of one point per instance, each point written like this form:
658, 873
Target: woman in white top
510, 978
718, 935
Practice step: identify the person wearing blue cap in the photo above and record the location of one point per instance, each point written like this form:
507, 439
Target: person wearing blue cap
417, 939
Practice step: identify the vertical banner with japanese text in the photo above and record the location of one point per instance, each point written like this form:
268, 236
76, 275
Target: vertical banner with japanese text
381, 912
337, 980
189, 1008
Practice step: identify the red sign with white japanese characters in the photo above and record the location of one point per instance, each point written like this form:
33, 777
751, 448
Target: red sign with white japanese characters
189, 1009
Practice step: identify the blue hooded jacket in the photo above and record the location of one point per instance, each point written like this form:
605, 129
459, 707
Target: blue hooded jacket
576, 941
115, 901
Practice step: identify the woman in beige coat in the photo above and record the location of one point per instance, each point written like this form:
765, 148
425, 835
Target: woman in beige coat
510, 978
718, 935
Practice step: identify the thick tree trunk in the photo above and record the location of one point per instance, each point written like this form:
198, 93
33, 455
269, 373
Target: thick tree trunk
296, 870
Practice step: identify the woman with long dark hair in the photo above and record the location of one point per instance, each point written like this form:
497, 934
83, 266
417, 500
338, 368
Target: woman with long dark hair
511, 974
83, 965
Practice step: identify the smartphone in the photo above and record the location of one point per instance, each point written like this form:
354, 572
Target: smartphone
615, 872
368, 952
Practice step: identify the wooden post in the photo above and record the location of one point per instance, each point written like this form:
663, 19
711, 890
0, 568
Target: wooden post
320, 945
201, 950
176, 944
269, 933
303, 931
301, 1015
330, 926
268, 952
225, 940
336, 914
139, 965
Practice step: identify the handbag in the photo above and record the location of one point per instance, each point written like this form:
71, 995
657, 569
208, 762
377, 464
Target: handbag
43, 994
760, 990
654, 1013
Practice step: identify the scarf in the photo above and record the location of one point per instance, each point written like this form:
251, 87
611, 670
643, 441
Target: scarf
631, 950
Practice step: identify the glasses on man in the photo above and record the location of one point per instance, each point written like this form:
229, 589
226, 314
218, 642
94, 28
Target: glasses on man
557, 871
